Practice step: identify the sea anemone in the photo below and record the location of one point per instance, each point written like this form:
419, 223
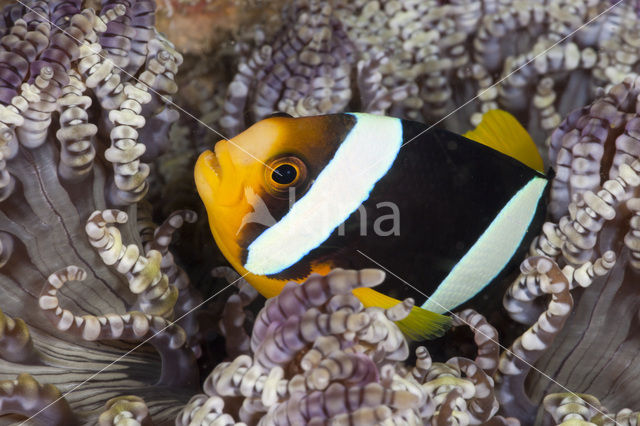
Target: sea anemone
84, 99
98, 323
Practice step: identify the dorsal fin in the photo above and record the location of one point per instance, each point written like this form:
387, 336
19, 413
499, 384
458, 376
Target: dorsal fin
501, 131
278, 114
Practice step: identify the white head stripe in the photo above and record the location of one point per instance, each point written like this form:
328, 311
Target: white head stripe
491, 252
365, 156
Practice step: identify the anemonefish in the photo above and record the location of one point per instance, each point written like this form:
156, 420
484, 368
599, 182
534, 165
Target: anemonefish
292, 196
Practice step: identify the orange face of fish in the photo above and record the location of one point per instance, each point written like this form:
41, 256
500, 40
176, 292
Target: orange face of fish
246, 183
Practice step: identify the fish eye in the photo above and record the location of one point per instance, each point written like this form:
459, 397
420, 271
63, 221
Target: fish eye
284, 174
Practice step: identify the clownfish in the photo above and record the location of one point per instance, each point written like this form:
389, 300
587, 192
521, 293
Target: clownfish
289, 197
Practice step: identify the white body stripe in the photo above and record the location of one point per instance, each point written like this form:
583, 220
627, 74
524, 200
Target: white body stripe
491, 252
371, 146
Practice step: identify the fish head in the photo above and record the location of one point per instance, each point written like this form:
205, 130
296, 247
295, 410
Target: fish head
248, 183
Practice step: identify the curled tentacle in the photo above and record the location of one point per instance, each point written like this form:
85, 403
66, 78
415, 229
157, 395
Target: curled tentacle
130, 410
334, 361
130, 175
133, 325
233, 121
242, 377
544, 102
237, 341
160, 69
517, 361
343, 367
483, 405
284, 340
485, 336
119, 32
383, 334
575, 235
160, 74
9, 144
295, 299
14, 66
579, 144
15, 341
188, 297
100, 74
145, 224
168, 338
448, 390
202, 409
26, 397
581, 228
423, 364
142, 20
519, 298
337, 400
76, 133
234, 315
375, 97
162, 235
41, 102
624, 417
37, 14
155, 295
62, 10
568, 406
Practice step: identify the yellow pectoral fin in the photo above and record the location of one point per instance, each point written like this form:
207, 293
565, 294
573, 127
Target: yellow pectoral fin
419, 325
501, 131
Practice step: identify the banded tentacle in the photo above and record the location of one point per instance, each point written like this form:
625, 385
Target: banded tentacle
133, 325
155, 295
43, 403
169, 339
76, 133
130, 174
12, 122
142, 20
19, 48
116, 40
575, 236
485, 337
37, 14
100, 74
60, 11
62, 51
337, 400
125, 410
570, 407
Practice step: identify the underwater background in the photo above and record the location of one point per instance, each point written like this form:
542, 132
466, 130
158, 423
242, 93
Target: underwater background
117, 308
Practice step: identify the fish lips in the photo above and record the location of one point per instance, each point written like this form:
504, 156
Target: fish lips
211, 161
207, 174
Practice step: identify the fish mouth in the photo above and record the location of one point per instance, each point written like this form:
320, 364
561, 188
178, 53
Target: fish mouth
209, 159
207, 174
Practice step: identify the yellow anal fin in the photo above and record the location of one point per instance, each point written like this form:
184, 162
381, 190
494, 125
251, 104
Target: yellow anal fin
501, 131
419, 325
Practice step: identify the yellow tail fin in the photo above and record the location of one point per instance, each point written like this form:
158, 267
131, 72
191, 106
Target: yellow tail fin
501, 131
419, 325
